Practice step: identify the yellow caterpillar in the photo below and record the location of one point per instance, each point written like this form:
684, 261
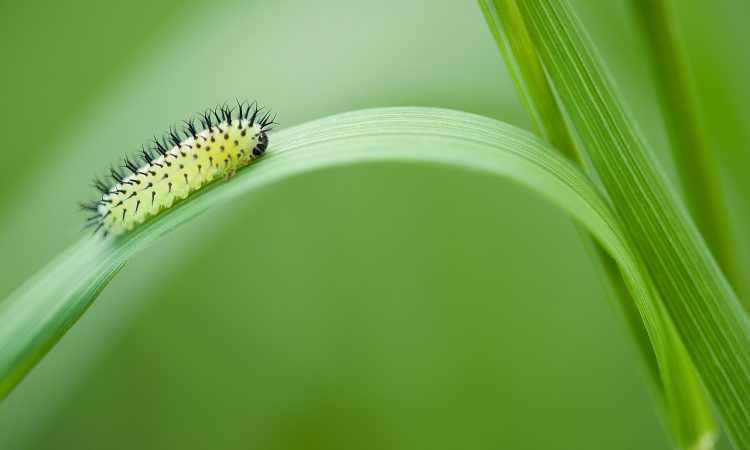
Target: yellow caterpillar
178, 165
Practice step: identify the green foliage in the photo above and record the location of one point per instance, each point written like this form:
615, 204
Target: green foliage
683, 313
693, 155
705, 309
42, 310
673, 375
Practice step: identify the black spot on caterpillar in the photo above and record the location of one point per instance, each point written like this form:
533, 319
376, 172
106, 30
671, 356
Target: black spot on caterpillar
138, 191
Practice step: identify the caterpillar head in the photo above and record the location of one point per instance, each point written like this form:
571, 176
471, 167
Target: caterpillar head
265, 123
262, 142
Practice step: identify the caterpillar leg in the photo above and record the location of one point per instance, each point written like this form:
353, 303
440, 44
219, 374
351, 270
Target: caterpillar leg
230, 174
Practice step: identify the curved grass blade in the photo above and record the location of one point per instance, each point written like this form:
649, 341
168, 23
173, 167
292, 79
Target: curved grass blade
37, 315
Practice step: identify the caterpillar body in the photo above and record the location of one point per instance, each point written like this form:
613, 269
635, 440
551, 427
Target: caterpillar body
177, 165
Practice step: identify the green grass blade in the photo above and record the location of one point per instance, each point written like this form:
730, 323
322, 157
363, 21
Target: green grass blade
680, 397
705, 309
695, 160
528, 74
506, 24
40, 311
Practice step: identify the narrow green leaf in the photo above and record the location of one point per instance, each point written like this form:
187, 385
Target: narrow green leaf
695, 159
507, 27
679, 393
705, 309
43, 309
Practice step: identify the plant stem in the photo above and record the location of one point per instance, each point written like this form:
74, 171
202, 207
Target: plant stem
694, 158
705, 310
673, 377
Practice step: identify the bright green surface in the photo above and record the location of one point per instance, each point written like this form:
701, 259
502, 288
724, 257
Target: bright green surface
40, 311
288, 340
676, 384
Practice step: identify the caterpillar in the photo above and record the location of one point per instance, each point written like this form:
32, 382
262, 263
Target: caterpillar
178, 164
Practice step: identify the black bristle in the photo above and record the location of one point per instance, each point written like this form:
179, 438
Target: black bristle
166, 142
174, 137
267, 122
239, 107
100, 185
206, 119
159, 147
255, 114
128, 164
115, 174
253, 105
146, 155
263, 120
190, 128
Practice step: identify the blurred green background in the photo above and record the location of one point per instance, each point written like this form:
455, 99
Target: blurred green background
381, 306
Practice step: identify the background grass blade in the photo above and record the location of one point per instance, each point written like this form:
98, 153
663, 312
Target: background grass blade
40, 311
673, 376
695, 159
705, 309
